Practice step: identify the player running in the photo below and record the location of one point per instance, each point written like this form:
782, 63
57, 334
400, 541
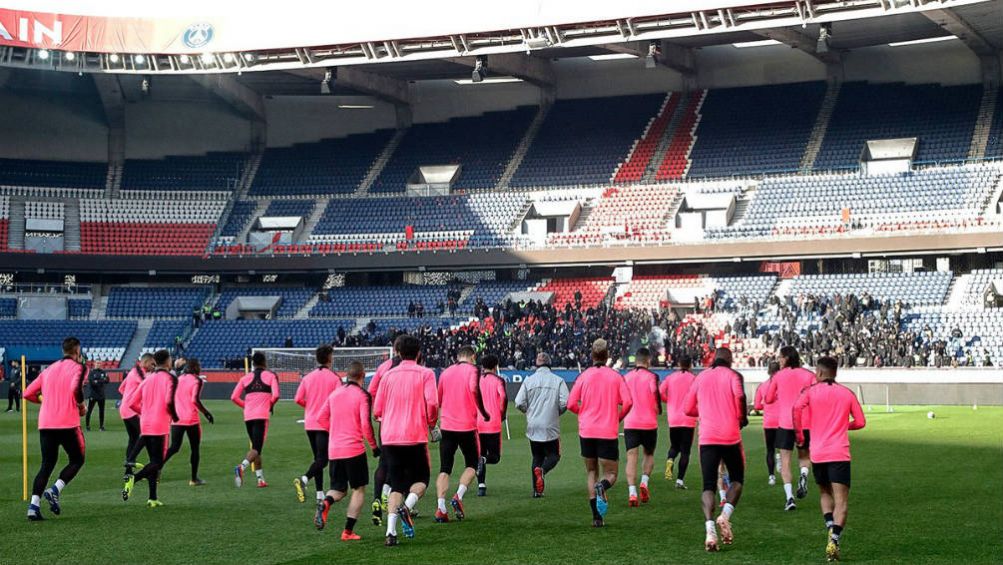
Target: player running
640, 427
347, 413
60, 391
830, 410
257, 392
495, 400
129, 417
543, 397
682, 427
783, 391
381, 488
407, 405
188, 404
717, 399
770, 421
153, 400
600, 399
312, 395
459, 405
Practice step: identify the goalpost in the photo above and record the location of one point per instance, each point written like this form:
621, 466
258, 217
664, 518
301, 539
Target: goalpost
290, 364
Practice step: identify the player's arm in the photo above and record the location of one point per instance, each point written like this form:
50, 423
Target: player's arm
135, 400
379, 399
171, 406
653, 389
521, 402
324, 416
770, 396
858, 420
757, 402
479, 398
626, 400
690, 406
300, 397
366, 424
741, 402
31, 394
575, 398
798, 413
198, 401
275, 389
431, 400
121, 385
238, 390
503, 398
562, 397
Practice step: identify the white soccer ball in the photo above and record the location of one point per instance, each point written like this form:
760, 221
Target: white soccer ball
931, 415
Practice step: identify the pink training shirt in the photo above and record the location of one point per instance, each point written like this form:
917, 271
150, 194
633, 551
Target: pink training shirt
674, 389
312, 395
716, 399
374, 384
643, 387
771, 419
126, 387
596, 396
186, 400
495, 401
353, 425
406, 404
61, 388
830, 411
458, 389
256, 397
153, 400
783, 391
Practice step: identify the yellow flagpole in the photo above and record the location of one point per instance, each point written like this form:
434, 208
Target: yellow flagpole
24, 434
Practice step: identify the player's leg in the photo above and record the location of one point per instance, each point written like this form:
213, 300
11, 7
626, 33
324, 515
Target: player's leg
709, 461
381, 491
90, 408
177, 438
841, 497
101, 414
536, 449
195, 444
591, 479
133, 446
649, 441
785, 443
447, 455
632, 442
490, 455
551, 455
155, 448
674, 451
418, 473
49, 445
723, 483
770, 435
358, 478
803, 462
397, 478
733, 458
685, 449
339, 486
470, 449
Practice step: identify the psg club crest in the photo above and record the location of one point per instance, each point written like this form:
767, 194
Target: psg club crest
197, 35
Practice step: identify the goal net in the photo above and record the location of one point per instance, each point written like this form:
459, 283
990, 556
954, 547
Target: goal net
290, 364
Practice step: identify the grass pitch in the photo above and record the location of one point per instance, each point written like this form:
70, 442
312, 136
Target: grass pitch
924, 491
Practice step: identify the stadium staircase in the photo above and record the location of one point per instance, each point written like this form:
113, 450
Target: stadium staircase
242, 235
956, 292
676, 111
381, 161
304, 312
113, 182
523, 147
71, 224
135, 348
15, 237
783, 288
315, 216
587, 208
742, 204
633, 168
247, 177
821, 126
983, 125
99, 304
991, 210
675, 161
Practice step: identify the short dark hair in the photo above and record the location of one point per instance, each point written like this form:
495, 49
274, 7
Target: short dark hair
600, 351
70, 345
489, 362
466, 351
829, 365
772, 368
145, 356
356, 369
194, 366
643, 355
258, 359
407, 347
161, 357
324, 354
790, 353
722, 356
686, 363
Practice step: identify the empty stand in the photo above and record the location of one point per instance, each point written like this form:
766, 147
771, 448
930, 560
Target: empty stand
915, 289
633, 213
52, 174
155, 302
147, 227
217, 341
593, 290
293, 298
214, 171
379, 300
676, 160
163, 334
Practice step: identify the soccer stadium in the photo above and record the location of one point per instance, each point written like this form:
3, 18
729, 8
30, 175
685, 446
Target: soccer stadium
501, 282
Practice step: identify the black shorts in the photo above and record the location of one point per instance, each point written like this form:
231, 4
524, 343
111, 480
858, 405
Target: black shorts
643, 438
712, 455
351, 472
406, 465
257, 430
681, 438
787, 439
594, 448
318, 444
832, 472
466, 442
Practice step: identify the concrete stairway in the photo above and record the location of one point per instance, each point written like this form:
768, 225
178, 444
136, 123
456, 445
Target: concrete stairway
984, 123
314, 218
71, 224
242, 235
381, 161
135, 348
821, 126
520, 151
667, 135
15, 226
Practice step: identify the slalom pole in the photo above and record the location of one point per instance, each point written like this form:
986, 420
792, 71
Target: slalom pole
508, 433
24, 434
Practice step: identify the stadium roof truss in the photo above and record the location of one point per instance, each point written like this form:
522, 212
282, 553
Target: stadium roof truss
768, 20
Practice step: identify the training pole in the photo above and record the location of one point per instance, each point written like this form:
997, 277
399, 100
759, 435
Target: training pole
24, 434
508, 433
247, 369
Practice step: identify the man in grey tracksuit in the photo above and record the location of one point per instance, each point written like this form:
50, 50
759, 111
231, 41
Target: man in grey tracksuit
543, 397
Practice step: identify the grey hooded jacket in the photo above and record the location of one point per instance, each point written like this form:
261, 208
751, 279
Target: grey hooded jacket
543, 397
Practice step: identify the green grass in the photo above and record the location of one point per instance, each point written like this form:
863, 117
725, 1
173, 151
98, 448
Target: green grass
924, 491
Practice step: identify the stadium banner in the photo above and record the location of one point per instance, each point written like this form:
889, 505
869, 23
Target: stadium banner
186, 26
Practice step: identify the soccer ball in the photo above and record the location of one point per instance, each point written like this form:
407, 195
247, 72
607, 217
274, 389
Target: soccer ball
931, 415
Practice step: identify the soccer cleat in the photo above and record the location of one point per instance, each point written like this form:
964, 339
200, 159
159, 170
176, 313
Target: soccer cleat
645, 493
130, 482
441, 517
832, 550
772, 481
457, 505
300, 493
482, 491
407, 521
383, 503
538, 482
681, 486
602, 505
725, 525
710, 542
598, 523
51, 496
377, 513
350, 536
537, 494
197, 482
238, 476
391, 541
320, 517
262, 483
790, 506
34, 512
668, 469
154, 504
802, 486
632, 501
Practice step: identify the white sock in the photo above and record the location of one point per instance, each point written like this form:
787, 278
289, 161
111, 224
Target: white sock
320, 495
804, 471
36, 500
727, 510
723, 494
460, 491
60, 485
710, 527
632, 490
245, 464
788, 491
392, 524
261, 474
644, 480
386, 490
411, 501
679, 481
442, 505
304, 480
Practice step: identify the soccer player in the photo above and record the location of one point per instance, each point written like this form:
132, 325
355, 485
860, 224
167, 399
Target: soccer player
717, 399
257, 392
312, 395
830, 411
543, 397
770, 422
407, 405
188, 405
682, 427
60, 390
381, 488
783, 391
640, 427
459, 405
495, 400
153, 400
347, 413
600, 399
129, 417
